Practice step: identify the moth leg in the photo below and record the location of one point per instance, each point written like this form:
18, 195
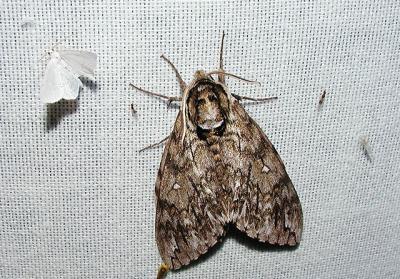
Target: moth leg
221, 77
239, 98
169, 99
182, 84
154, 144
162, 271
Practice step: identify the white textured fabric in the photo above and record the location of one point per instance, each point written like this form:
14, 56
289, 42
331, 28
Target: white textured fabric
77, 199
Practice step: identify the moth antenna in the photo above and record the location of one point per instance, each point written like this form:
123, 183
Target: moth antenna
162, 271
154, 144
219, 72
221, 77
221, 61
239, 98
51, 49
58, 43
61, 41
169, 99
182, 84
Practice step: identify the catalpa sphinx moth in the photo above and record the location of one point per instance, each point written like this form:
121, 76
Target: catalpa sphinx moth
219, 168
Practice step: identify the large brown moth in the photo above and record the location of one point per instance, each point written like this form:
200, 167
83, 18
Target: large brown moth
219, 168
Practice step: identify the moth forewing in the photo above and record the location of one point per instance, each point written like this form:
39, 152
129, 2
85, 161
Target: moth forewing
58, 83
61, 77
81, 62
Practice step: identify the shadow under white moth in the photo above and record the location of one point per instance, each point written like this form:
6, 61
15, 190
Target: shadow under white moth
219, 168
61, 77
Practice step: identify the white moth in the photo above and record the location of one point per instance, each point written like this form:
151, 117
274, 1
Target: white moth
61, 77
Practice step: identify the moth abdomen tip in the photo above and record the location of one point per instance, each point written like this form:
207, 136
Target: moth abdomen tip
162, 271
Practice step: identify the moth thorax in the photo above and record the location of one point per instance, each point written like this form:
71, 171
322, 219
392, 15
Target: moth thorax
207, 108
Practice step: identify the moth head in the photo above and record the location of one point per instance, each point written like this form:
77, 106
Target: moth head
207, 106
52, 52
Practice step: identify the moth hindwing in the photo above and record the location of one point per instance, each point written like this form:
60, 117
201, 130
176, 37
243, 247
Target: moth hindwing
219, 168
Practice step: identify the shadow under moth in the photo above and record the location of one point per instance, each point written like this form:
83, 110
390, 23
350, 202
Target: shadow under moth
219, 168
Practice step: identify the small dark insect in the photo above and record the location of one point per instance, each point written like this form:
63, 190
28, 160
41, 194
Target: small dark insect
219, 168
364, 142
322, 98
133, 110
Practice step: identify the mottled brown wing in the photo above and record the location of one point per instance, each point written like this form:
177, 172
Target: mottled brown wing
189, 216
268, 207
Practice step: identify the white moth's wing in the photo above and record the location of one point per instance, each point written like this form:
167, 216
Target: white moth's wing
59, 83
81, 62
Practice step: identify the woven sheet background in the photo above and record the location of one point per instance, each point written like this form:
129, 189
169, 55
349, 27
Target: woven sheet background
77, 200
